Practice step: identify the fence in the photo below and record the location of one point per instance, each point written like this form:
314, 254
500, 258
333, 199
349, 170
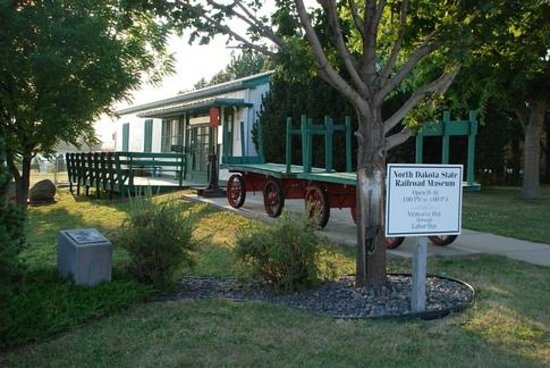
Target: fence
116, 172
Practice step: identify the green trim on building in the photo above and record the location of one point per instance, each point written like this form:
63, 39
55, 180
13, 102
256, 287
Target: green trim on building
228, 87
148, 135
194, 107
125, 137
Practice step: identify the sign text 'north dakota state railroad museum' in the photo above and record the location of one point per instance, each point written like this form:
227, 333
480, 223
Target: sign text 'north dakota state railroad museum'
423, 200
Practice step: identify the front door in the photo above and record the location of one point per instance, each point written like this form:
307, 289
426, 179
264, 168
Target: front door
199, 143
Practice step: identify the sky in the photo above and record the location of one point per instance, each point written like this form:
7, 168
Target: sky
193, 62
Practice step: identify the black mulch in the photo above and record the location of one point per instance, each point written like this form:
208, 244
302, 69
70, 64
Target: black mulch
339, 298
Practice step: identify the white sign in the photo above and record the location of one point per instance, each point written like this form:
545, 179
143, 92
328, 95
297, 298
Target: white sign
423, 200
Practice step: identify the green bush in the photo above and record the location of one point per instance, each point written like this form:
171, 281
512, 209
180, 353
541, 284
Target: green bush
158, 239
45, 306
12, 241
284, 255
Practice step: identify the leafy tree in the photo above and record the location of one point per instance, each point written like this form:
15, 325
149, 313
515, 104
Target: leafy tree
12, 240
241, 65
547, 148
371, 48
63, 64
312, 97
509, 68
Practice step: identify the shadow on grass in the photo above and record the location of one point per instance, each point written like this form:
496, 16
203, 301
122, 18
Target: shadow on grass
508, 326
512, 299
46, 305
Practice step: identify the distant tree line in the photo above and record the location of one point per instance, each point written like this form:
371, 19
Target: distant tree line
242, 64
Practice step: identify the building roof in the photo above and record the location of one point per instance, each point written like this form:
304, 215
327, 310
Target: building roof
192, 106
191, 97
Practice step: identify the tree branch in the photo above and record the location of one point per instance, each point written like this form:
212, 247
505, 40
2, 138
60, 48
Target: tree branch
397, 44
440, 85
330, 8
359, 23
398, 138
226, 30
522, 115
378, 15
10, 161
370, 9
424, 49
369, 43
326, 70
254, 22
200, 12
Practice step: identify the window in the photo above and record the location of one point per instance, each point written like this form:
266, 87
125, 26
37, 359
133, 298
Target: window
172, 134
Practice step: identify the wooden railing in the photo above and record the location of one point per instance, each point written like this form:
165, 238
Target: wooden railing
115, 172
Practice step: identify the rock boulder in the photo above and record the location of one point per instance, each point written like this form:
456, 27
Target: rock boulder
43, 191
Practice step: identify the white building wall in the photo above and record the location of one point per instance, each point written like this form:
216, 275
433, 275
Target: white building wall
137, 140
119, 126
248, 115
157, 134
137, 133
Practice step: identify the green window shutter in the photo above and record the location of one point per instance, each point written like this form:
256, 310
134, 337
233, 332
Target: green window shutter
148, 136
164, 136
125, 136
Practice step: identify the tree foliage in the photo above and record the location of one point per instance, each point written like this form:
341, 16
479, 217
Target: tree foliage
509, 69
63, 64
12, 241
241, 65
313, 98
365, 51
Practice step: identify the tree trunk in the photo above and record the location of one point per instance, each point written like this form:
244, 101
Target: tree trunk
22, 180
371, 161
531, 150
547, 149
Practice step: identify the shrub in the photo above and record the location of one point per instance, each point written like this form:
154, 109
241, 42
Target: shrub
158, 239
12, 241
284, 255
45, 306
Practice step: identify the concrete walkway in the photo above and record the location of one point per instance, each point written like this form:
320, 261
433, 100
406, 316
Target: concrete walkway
342, 230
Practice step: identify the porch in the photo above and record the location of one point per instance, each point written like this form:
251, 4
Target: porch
127, 173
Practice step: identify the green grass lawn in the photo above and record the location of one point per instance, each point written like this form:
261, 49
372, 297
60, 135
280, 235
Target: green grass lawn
502, 211
113, 325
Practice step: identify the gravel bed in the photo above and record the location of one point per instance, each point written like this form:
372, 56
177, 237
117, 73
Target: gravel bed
338, 298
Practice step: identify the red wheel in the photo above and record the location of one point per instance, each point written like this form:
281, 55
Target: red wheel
394, 242
236, 191
273, 198
442, 240
317, 206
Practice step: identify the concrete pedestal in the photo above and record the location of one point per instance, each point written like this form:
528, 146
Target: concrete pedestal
86, 255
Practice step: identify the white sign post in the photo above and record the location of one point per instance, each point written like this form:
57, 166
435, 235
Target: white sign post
423, 200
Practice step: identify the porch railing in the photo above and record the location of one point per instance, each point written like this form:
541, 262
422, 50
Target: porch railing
115, 172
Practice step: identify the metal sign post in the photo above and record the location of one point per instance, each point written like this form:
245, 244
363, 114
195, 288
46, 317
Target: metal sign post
418, 295
421, 201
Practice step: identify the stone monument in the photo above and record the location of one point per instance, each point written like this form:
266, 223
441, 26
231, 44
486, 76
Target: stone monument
86, 255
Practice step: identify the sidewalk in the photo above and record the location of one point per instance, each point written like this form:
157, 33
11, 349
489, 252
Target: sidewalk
342, 230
